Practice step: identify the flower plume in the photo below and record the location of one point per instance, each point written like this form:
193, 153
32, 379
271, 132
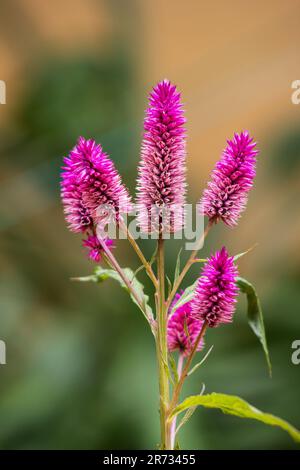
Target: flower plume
90, 180
232, 178
183, 329
161, 181
216, 291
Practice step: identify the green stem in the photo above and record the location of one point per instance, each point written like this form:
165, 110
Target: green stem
139, 252
185, 371
173, 424
188, 264
162, 347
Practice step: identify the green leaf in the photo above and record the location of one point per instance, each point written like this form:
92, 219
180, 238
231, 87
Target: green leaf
173, 368
177, 268
233, 405
101, 274
186, 296
255, 316
153, 257
243, 253
188, 414
140, 268
200, 260
201, 362
169, 285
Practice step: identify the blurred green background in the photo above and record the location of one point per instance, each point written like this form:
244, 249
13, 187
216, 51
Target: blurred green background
81, 369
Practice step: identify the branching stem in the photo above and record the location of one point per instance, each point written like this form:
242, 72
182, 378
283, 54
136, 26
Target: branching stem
188, 264
140, 254
185, 371
115, 265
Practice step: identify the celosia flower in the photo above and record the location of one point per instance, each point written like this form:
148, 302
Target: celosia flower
95, 250
89, 181
161, 181
231, 180
77, 214
183, 329
216, 291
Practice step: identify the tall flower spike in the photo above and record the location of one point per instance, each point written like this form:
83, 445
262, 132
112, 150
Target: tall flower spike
161, 182
216, 291
231, 180
97, 184
183, 329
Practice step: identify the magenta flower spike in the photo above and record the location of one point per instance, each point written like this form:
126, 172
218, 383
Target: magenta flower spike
216, 291
77, 215
90, 181
231, 180
161, 182
95, 249
183, 329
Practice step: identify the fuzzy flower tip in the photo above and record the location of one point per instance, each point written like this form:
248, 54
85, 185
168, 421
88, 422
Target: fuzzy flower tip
161, 182
216, 291
231, 180
95, 250
91, 187
183, 329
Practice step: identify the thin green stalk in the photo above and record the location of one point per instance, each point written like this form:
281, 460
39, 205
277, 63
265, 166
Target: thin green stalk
139, 252
115, 265
173, 424
161, 346
185, 371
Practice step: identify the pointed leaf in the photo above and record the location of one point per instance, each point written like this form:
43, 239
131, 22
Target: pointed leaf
255, 316
186, 297
200, 260
140, 268
188, 414
201, 362
153, 257
243, 253
169, 285
233, 405
177, 268
173, 368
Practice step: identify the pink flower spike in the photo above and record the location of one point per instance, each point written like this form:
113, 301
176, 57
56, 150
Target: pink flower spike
216, 291
183, 329
90, 181
227, 193
161, 182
